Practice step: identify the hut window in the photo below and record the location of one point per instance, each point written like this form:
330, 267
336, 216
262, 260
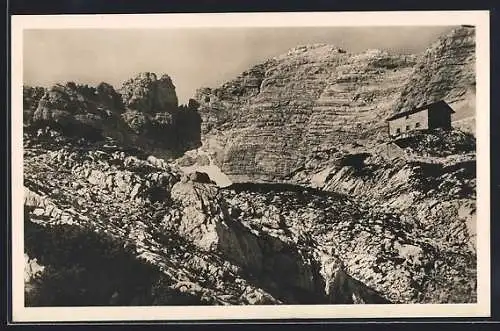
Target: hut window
417, 125
398, 130
407, 127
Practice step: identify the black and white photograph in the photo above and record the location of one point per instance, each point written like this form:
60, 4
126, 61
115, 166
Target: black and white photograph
250, 166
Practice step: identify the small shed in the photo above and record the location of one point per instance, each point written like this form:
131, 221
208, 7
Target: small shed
431, 116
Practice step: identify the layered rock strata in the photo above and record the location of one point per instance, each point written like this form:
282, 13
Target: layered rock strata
317, 96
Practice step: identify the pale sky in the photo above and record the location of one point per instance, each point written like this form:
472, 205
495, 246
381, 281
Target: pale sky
194, 58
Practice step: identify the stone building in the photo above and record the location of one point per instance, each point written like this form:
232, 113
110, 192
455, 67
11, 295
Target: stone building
430, 116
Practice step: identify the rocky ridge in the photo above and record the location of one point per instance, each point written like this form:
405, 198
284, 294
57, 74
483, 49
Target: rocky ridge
267, 119
144, 113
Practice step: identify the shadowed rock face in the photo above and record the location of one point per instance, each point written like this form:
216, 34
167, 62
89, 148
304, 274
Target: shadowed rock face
270, 117
31, 97
144, 113
153, 113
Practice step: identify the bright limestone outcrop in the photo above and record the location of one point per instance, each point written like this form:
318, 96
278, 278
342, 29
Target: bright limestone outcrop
270, 117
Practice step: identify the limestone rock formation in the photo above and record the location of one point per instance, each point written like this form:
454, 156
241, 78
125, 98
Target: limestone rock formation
79, 110
148, 94
145, 113
268, 118
446, 71
318, 208
153, 113
109, 97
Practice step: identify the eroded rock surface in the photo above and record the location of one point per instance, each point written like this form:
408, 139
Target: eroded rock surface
144, 113
296, 196
269, 118
263, 243
446, 71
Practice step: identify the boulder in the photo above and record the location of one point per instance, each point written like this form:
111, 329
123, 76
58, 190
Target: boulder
200, 177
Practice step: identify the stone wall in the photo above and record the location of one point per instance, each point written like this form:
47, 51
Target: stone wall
409, 122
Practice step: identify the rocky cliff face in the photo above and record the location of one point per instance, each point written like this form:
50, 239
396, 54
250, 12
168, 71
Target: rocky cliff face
446, 71
270, 117
31, 97
154, 116
144, 113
